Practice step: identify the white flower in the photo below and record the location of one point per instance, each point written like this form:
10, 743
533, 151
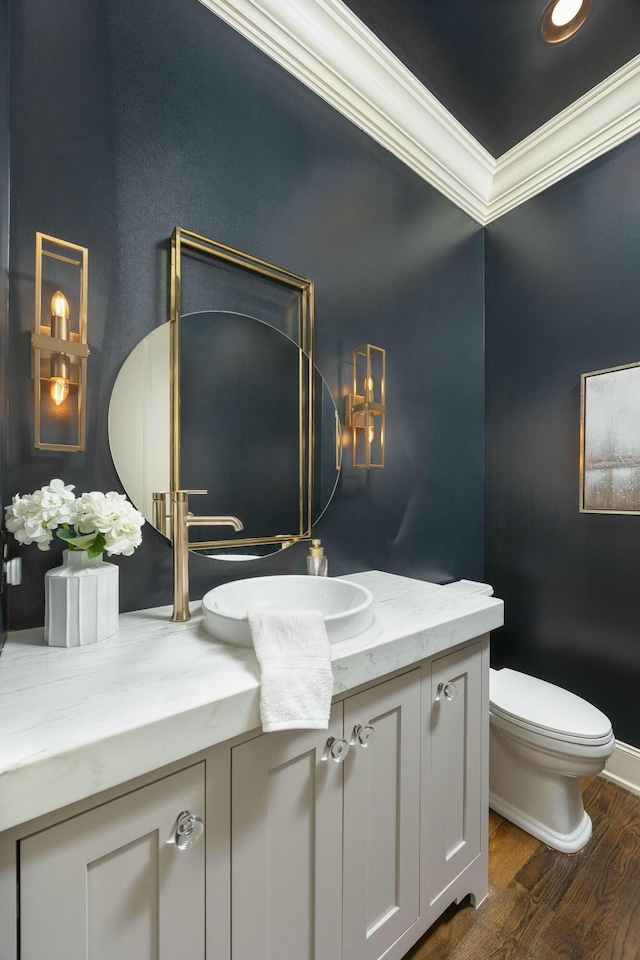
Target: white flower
114, 517
93, 522
34, 517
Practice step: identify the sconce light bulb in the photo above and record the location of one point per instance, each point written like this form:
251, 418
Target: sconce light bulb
368, 388
59, 305
371, 434
59, 390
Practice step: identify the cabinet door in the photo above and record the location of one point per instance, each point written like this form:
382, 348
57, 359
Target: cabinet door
382, 817
455, 723
286, 846
111, 884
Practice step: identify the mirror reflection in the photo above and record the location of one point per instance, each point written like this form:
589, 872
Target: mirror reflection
239, 428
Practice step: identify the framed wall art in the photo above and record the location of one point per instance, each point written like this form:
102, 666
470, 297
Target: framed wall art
610, 440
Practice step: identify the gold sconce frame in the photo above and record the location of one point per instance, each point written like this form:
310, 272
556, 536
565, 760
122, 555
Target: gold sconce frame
59, 354
365, 407
184, 242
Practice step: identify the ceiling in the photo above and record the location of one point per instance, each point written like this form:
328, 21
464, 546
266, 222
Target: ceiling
483, 60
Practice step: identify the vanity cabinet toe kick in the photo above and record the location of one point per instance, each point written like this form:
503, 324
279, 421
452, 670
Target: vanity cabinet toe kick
347, 842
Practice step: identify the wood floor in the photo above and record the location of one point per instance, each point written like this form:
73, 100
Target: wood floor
544, 905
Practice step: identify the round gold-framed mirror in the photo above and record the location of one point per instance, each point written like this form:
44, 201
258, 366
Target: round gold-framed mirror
240, 429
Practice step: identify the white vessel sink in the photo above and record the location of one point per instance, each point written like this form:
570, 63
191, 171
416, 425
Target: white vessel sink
347, 607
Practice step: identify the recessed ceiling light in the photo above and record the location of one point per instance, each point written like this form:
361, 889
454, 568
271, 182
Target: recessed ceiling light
561, 18
565, 10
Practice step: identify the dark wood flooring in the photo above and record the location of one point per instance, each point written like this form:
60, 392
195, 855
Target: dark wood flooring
545, 905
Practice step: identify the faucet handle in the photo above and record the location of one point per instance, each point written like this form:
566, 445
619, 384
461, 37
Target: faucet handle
184, 494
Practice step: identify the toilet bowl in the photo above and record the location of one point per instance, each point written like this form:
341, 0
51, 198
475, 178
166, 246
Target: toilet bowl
542, 740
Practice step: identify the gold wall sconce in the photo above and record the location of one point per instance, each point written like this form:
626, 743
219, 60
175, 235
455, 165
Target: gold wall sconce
365, 407
59, 348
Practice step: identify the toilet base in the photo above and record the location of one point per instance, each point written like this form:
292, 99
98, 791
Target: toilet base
564, 842
531, 787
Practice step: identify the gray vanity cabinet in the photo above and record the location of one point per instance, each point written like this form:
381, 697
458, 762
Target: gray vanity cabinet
110, 884
286, 846
308, 854
325, 852
455, 756
381, 816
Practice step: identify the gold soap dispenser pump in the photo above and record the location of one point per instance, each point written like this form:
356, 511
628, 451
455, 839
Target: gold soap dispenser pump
317, 563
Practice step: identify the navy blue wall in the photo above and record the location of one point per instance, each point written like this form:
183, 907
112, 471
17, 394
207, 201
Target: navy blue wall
131, 117
562, 296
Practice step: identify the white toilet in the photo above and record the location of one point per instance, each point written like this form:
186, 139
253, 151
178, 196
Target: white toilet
542, 740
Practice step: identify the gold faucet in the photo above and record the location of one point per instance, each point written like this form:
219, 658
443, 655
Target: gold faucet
181, 520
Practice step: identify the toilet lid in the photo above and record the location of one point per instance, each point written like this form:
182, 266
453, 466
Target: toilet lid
541, 705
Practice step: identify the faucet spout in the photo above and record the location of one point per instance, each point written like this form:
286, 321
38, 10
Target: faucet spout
181, 520
215, 522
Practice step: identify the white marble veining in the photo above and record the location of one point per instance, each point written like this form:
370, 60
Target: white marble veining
77, 721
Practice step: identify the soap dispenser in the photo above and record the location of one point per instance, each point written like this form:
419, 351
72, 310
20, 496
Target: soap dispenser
317, 563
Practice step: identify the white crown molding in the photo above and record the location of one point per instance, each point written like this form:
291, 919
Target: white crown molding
324, 45
603, 118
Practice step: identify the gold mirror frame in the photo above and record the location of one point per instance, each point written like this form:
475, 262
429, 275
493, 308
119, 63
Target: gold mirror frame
186, 240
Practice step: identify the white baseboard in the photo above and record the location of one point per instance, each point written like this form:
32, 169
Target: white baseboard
623, 767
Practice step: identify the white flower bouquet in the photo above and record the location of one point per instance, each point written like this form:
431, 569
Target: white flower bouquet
92, 522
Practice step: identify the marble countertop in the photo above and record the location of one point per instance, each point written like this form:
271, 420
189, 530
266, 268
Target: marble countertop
77, 721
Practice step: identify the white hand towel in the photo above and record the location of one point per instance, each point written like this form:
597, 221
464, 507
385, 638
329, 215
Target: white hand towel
293, 651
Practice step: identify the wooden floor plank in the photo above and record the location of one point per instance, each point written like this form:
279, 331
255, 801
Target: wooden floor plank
546, 905
508, 929
494, 821
548, 875
602, 902
547, 878
510, 848
602, 798
446, 934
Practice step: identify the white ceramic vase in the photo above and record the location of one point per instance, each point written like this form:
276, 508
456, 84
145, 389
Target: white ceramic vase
81, 600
